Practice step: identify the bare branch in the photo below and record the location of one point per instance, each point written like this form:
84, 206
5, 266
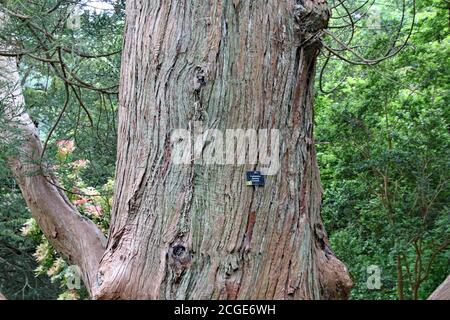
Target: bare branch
351, 24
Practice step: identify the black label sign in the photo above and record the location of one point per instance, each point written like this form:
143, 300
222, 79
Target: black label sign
255, 178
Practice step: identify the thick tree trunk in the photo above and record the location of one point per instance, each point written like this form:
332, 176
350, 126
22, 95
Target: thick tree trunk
196, 231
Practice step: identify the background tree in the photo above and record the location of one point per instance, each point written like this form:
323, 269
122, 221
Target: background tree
383, 153
61, 115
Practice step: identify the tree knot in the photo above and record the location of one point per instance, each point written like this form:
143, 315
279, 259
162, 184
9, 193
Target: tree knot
179, 258
311, 17
199, 78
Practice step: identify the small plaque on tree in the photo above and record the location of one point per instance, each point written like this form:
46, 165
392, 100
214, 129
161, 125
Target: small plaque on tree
255, 178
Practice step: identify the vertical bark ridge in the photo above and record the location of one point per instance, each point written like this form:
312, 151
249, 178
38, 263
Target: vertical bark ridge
183, 231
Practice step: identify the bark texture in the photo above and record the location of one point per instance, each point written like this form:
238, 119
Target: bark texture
442, 292
75, 237
196, 231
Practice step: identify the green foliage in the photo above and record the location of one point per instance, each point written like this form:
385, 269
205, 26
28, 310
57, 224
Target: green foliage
95, 205
89, 121
384, 159
17, 276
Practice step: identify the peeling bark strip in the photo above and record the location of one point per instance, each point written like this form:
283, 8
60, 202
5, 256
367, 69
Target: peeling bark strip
75, 237
197, 232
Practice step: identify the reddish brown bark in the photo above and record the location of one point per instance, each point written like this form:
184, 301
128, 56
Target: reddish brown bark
196, 231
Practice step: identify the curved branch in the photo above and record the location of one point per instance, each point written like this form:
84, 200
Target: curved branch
360, 59
322, 71
77, 238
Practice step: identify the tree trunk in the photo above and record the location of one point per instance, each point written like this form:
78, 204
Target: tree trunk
442, 292
196, 231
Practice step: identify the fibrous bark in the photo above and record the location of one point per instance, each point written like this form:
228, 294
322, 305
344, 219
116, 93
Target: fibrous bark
195, 231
